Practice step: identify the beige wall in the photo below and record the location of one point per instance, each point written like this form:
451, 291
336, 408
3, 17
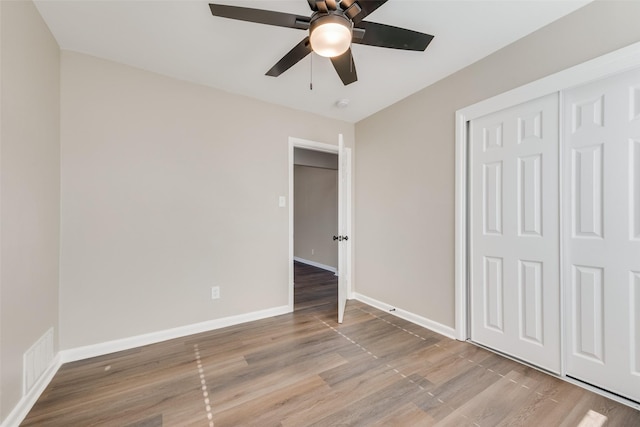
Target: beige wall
316, 215
154, 205
169, 188
405, 163
29, 189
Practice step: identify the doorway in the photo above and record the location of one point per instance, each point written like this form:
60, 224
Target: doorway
315, 205
340, 235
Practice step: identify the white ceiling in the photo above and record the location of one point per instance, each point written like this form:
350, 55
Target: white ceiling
182, 39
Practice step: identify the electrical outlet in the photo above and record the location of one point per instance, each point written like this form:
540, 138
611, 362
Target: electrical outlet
215, 292
313, 251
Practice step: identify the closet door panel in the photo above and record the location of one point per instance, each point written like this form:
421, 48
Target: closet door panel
602, 249
514, 232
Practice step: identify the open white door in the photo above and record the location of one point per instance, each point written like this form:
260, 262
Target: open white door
344, 242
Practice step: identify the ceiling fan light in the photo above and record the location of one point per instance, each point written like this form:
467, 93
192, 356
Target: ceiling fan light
330, 36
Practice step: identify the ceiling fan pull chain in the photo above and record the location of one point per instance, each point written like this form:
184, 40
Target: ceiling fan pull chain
311, 72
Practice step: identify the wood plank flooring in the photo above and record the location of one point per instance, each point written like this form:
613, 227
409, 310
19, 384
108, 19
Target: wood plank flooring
303, 369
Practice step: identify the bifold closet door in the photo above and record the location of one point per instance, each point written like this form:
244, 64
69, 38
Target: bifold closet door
602, 233
514, 240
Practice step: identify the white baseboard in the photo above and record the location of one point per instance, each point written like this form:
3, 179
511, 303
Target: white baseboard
316, 264
20, 411
101, 349
407, 315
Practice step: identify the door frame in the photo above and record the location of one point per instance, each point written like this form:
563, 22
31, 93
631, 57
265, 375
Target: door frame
603, 66
325, 148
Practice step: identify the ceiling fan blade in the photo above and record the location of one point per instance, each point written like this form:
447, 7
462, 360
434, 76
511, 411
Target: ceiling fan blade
392, 37
300, 50
367, 6
260, 16
345, 67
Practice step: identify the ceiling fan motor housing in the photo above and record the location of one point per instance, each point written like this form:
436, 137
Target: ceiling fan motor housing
330, 33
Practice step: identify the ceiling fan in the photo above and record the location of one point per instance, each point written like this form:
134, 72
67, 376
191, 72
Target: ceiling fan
333, 26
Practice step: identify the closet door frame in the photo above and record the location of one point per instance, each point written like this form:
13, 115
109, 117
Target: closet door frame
612, 63
601, 67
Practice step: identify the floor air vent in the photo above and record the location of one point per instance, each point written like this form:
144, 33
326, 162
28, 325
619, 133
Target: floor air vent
36, 360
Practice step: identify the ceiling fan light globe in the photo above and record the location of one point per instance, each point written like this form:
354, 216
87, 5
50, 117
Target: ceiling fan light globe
330, 39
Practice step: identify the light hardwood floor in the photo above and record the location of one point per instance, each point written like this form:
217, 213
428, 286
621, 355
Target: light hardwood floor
303, 369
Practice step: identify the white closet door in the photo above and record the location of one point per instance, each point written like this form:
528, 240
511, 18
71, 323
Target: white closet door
602, 236
514, 246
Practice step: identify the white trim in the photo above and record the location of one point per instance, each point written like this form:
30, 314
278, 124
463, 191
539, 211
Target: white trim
290, 226
349, 230
603, 66
312, 145
316, 264
85, 352
460, 234
24, 405
432, 325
